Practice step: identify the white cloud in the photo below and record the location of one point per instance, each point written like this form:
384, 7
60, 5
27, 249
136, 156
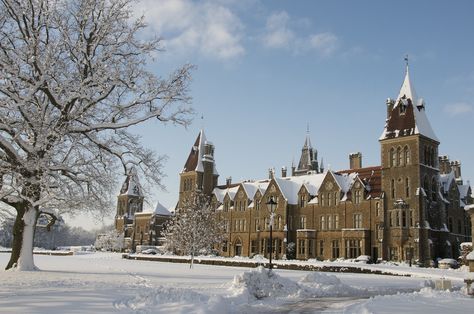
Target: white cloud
325, 43
277, 34
280, 33
458, 108
188, 27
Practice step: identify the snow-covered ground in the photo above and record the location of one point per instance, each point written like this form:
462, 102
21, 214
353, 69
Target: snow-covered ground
106, 283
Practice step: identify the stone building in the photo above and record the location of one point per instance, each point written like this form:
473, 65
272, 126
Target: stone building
410, 207
139, 226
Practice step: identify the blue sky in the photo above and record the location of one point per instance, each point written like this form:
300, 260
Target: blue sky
267, 69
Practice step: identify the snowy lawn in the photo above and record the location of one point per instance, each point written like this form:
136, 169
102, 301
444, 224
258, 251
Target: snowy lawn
105, 283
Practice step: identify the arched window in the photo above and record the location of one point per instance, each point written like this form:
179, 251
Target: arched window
279, 225
377, 209
399, 157
426, 187
321, 203
393, 157
329, 199
336, 198
406, 155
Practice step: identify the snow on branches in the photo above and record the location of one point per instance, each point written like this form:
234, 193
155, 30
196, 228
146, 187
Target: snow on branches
195, 228
73, 79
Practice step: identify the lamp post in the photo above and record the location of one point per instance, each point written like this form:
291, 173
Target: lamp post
271, 204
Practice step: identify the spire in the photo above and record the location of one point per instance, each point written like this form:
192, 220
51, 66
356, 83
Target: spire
131, 186
407, 90
307, 142
194, 161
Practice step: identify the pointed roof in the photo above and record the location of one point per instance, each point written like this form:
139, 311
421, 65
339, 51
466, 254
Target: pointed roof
411, 119
308, 156
195, 157
131, 186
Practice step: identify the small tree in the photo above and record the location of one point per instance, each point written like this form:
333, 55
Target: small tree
73, 79
195, 228
109, 241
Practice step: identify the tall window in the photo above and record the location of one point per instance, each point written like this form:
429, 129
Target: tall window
336, 221
357, 221
335, 249
407, 187
399, 157
322, 199
434, 189
279, 223
411, 218
357, 196
450, 224
301, 247
322, 223
321, 248
393, 157
406, 155
330, 225
329, 199
404, 218
336, 198
302, 222
257, 204
377, 209
392, 188
397, 218
353, 248
302, 200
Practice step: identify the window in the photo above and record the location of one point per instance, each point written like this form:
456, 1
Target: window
321, 248
226, 225
391, 214
377, 209
357, 221
257, 224
330, 225
257, 205
279, 225
322, 223
404, 218
450, 224
302, 222
311, 248
253, 246
353, 248
322, 199
224, 246
301, 247
336, 198
392, 188
394, 253
397, 218
336, 221
393, 157
302, 200
411, 218
434, 189
329, 199
407, 187
335, 249
399, 157
357, 196
406, 155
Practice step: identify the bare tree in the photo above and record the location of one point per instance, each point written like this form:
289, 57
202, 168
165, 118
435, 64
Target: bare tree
73, 79
195, 228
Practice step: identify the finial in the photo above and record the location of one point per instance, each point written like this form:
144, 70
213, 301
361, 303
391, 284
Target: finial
307, 128
202, 121
406, 61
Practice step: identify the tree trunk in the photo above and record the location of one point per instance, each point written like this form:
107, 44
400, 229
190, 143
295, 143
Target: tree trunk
23, 234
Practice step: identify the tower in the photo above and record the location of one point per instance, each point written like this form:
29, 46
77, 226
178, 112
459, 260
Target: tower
308, 160
199, 172
129, 202
409, 157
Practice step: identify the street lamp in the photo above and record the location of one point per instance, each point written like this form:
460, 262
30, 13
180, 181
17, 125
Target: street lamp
271, 204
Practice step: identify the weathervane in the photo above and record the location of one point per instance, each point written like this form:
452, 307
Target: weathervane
406, 60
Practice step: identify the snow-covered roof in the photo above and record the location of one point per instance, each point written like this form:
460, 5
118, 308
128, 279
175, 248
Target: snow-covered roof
131, 186
445, 180
408, 97
161, 210
196, 156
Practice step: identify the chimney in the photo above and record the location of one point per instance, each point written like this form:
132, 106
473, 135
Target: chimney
228, 181
271, 173
283, 172
390, 102
355, 160
456, 166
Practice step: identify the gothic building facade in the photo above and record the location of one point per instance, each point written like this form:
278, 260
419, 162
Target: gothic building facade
139, 226
410, 207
